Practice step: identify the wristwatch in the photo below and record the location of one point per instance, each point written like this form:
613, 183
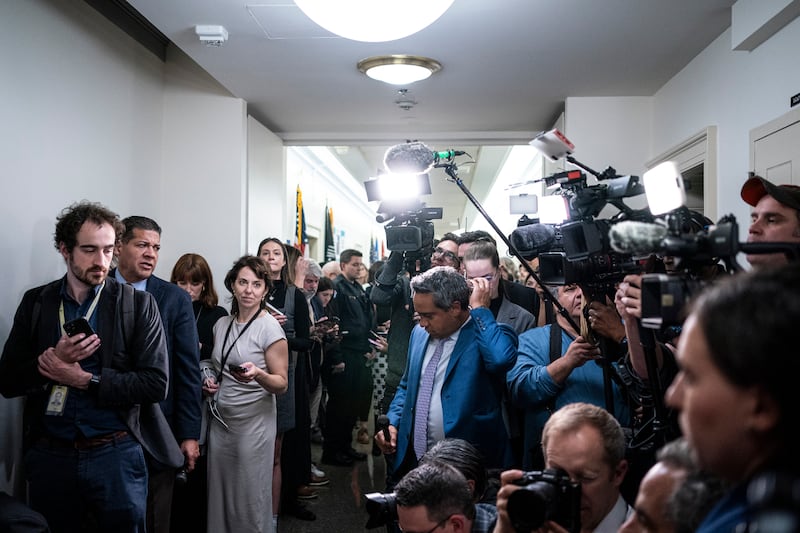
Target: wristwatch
94, 383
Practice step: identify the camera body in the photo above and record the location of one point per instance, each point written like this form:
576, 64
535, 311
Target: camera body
545, 495
586, 257
381, 508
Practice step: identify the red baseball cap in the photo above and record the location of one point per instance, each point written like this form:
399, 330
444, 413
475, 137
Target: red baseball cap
757, 187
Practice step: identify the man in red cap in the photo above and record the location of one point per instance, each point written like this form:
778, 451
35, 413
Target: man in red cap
775, 217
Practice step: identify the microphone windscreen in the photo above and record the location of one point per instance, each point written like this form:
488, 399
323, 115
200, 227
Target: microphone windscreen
409, 158
636, 238
532, 239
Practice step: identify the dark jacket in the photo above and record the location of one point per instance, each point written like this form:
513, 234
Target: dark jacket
135, 370
184, 395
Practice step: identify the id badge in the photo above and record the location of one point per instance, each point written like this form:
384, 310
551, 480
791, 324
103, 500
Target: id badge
58, 398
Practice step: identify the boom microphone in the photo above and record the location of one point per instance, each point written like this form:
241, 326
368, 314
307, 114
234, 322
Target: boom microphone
415, 158
533, 239
636, 238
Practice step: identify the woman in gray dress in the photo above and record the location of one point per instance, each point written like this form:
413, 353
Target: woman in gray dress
248, 368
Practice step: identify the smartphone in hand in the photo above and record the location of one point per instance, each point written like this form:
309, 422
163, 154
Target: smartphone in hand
79, 325
274, 310
236, 369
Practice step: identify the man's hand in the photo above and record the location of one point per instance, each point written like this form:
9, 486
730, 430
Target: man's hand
387, 447
628, 297
581, 351
191, 451
507, 486
76, 348
337, 368
605, 321
53, 367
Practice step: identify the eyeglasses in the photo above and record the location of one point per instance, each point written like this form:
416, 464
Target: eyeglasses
446, 253
437, 526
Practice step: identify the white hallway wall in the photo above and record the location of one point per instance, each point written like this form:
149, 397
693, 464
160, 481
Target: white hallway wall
90, 114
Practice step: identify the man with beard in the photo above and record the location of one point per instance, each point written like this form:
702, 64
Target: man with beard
84, 453
775, 217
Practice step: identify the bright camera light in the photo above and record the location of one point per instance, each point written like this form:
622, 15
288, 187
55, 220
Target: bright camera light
664, 188
553, 209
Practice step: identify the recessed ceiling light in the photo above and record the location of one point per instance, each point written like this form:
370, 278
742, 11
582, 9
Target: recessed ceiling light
374, 20
399, 69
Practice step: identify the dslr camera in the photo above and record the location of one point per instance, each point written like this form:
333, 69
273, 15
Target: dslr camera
545, 495
381, 508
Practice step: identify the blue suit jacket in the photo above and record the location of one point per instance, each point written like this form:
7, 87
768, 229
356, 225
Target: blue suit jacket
184, 395
472, 392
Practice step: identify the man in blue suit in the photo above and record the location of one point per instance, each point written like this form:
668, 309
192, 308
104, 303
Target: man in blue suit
137, 254
460, 393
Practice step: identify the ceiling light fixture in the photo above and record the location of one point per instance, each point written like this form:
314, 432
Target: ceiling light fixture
374, 21
399, 69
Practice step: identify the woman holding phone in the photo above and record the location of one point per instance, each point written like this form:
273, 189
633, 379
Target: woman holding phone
241, 437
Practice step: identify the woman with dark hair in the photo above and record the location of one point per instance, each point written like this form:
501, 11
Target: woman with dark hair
292, 469
248, 367
192, 274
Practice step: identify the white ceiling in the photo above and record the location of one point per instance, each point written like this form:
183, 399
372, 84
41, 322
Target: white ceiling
508, 66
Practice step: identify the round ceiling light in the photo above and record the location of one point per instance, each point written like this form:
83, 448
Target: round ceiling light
399, 69
374, 21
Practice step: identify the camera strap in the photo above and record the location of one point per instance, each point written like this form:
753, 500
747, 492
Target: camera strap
555, 353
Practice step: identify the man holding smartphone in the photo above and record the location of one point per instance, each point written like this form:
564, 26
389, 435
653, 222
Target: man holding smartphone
91, 406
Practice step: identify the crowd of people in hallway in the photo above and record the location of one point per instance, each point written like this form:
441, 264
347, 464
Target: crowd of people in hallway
498, 403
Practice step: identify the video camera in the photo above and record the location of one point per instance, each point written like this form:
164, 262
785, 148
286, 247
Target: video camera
545, 495
579, 251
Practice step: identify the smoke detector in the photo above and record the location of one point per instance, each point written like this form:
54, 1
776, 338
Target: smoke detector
211, 35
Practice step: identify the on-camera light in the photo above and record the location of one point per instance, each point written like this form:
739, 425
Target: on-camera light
553, 209
397, 186
664, 188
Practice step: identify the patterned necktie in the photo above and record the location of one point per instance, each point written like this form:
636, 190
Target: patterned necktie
424, 401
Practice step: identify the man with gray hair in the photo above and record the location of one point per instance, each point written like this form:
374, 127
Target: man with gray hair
454, 379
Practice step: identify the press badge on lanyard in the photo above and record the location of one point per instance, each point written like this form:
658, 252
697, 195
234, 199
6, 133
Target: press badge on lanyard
58, 394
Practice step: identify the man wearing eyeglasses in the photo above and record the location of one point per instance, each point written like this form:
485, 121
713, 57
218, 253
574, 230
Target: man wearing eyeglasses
435, 497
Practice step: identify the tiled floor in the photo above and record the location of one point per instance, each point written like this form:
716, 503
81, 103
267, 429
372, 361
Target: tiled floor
340, 505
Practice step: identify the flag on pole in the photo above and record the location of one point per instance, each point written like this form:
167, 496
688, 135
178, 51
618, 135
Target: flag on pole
301, 238
373, 249
330, 247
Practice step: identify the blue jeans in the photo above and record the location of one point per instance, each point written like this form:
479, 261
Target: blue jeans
106, 486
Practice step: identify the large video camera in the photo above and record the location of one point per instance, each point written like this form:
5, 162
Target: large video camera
545, 495
582, 254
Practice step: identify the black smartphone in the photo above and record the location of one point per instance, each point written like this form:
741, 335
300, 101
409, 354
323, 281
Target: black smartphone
79, 325
236, 369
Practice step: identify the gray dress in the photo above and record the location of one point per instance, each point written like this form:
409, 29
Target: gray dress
240, 457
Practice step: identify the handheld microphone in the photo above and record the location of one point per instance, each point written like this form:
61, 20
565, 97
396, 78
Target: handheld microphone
415, 158
533, 239
382, 424
636, 238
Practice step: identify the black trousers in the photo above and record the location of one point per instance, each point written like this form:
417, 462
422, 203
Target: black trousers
296, 446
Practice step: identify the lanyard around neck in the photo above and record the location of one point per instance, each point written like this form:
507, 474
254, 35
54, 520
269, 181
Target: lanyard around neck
89, 312
225, 341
